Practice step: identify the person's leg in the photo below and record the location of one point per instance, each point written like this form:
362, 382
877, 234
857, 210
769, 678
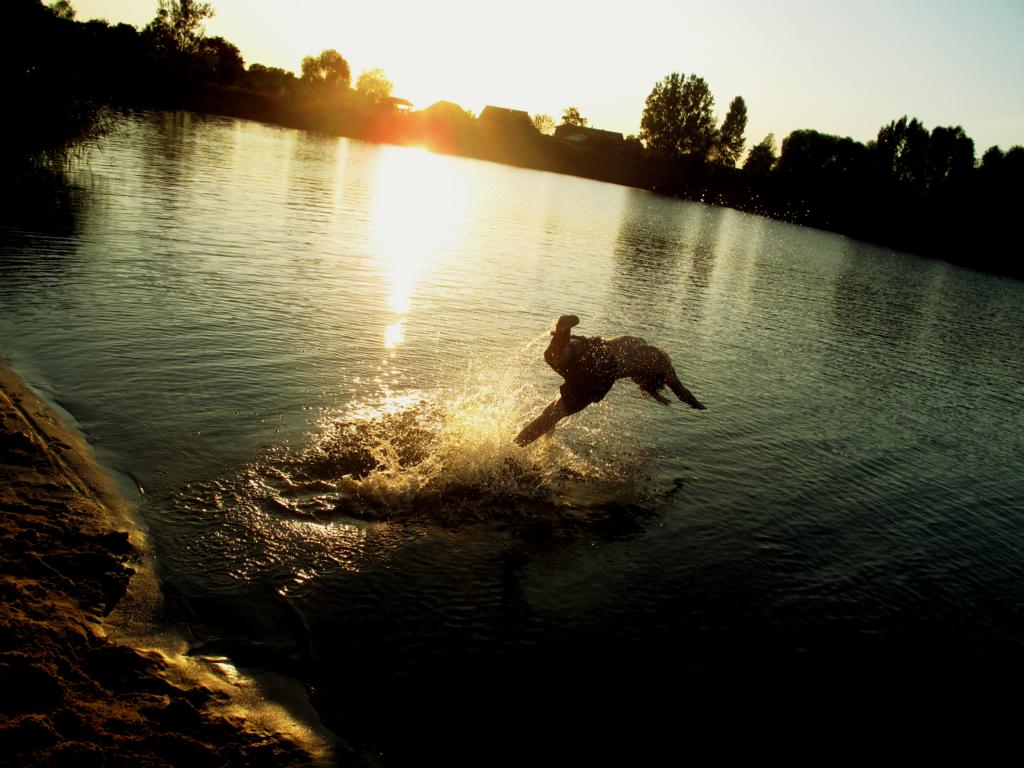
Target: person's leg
557, 354
555, 412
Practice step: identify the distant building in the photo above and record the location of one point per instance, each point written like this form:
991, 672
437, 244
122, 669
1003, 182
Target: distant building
444, 110
506, 119
444, 126
609, 141
403, 105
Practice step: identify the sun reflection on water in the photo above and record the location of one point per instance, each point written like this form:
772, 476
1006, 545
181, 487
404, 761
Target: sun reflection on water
394, 335
419, 210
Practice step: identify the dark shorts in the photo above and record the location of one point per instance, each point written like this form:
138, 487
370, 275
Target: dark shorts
591, 372
577, 395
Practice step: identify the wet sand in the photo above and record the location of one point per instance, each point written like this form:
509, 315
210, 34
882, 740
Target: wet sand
68, 693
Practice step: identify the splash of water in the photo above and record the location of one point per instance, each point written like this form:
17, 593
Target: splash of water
448, 457
445, 457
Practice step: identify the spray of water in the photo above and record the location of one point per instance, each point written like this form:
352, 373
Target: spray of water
448, 457
445, 457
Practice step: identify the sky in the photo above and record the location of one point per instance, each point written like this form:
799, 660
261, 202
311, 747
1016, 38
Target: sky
845, 68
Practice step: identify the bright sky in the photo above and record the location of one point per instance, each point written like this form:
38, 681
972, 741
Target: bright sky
837, 67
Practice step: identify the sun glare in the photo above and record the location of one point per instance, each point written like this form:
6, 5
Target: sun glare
394, 335
419, 206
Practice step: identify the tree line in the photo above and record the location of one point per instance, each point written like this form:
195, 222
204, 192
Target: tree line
909, 188
62, 77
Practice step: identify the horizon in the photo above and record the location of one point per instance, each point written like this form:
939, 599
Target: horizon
788, 63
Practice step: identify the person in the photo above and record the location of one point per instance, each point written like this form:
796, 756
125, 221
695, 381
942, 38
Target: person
591, 365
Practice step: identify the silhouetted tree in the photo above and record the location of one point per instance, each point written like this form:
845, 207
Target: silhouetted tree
572, 116
992, 160
729, 141
52, 103
544, 124
824, 181
677, 117
806, 154
950, 158
179, 24
62, 10
329, 68
761, 158
901, 153
373, 85
1011, 178
910, 188
272, 80
220, 61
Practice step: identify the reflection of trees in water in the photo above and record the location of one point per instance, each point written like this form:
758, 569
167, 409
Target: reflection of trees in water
312, 173
973, 324
874, 342
936, 346
48, 202
665, 252
177, 139
705, 244
647, 250
40, 227
168, 153
884, 304
702, 250
312, 168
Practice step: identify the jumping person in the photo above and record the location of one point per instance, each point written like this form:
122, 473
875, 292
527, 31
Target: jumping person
591, 365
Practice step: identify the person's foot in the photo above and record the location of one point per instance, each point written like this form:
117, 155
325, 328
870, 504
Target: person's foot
567, 321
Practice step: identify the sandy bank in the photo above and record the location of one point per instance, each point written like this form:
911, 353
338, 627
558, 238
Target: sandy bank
68, 694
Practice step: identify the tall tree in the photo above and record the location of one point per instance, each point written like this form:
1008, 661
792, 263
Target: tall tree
179, 24
729, 144
761, 158
677, 117
63, 9
374, 85
45, 70
901, 153
220, 61
329, 68
950, 158
572, 116
992, 160
813, 157
272, 80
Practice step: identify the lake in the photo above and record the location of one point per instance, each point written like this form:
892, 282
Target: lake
311, 356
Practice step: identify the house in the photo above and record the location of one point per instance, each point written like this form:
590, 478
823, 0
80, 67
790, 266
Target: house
609, 141
443, 126
447, 111
402, 105
500, 118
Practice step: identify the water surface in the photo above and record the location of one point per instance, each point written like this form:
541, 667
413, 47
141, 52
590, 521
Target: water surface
312, 355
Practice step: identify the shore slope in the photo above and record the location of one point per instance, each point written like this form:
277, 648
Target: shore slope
68, 694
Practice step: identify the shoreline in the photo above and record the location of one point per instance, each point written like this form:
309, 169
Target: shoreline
78, 688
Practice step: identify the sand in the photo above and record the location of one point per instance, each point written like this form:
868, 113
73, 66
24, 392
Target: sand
68, 693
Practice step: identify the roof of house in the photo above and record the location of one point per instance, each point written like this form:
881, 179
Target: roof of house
580, 132
444, 107
510, 118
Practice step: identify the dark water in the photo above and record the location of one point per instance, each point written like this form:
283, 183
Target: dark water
312, 354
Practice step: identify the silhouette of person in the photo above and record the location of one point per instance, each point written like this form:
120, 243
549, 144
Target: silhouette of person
591, 365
